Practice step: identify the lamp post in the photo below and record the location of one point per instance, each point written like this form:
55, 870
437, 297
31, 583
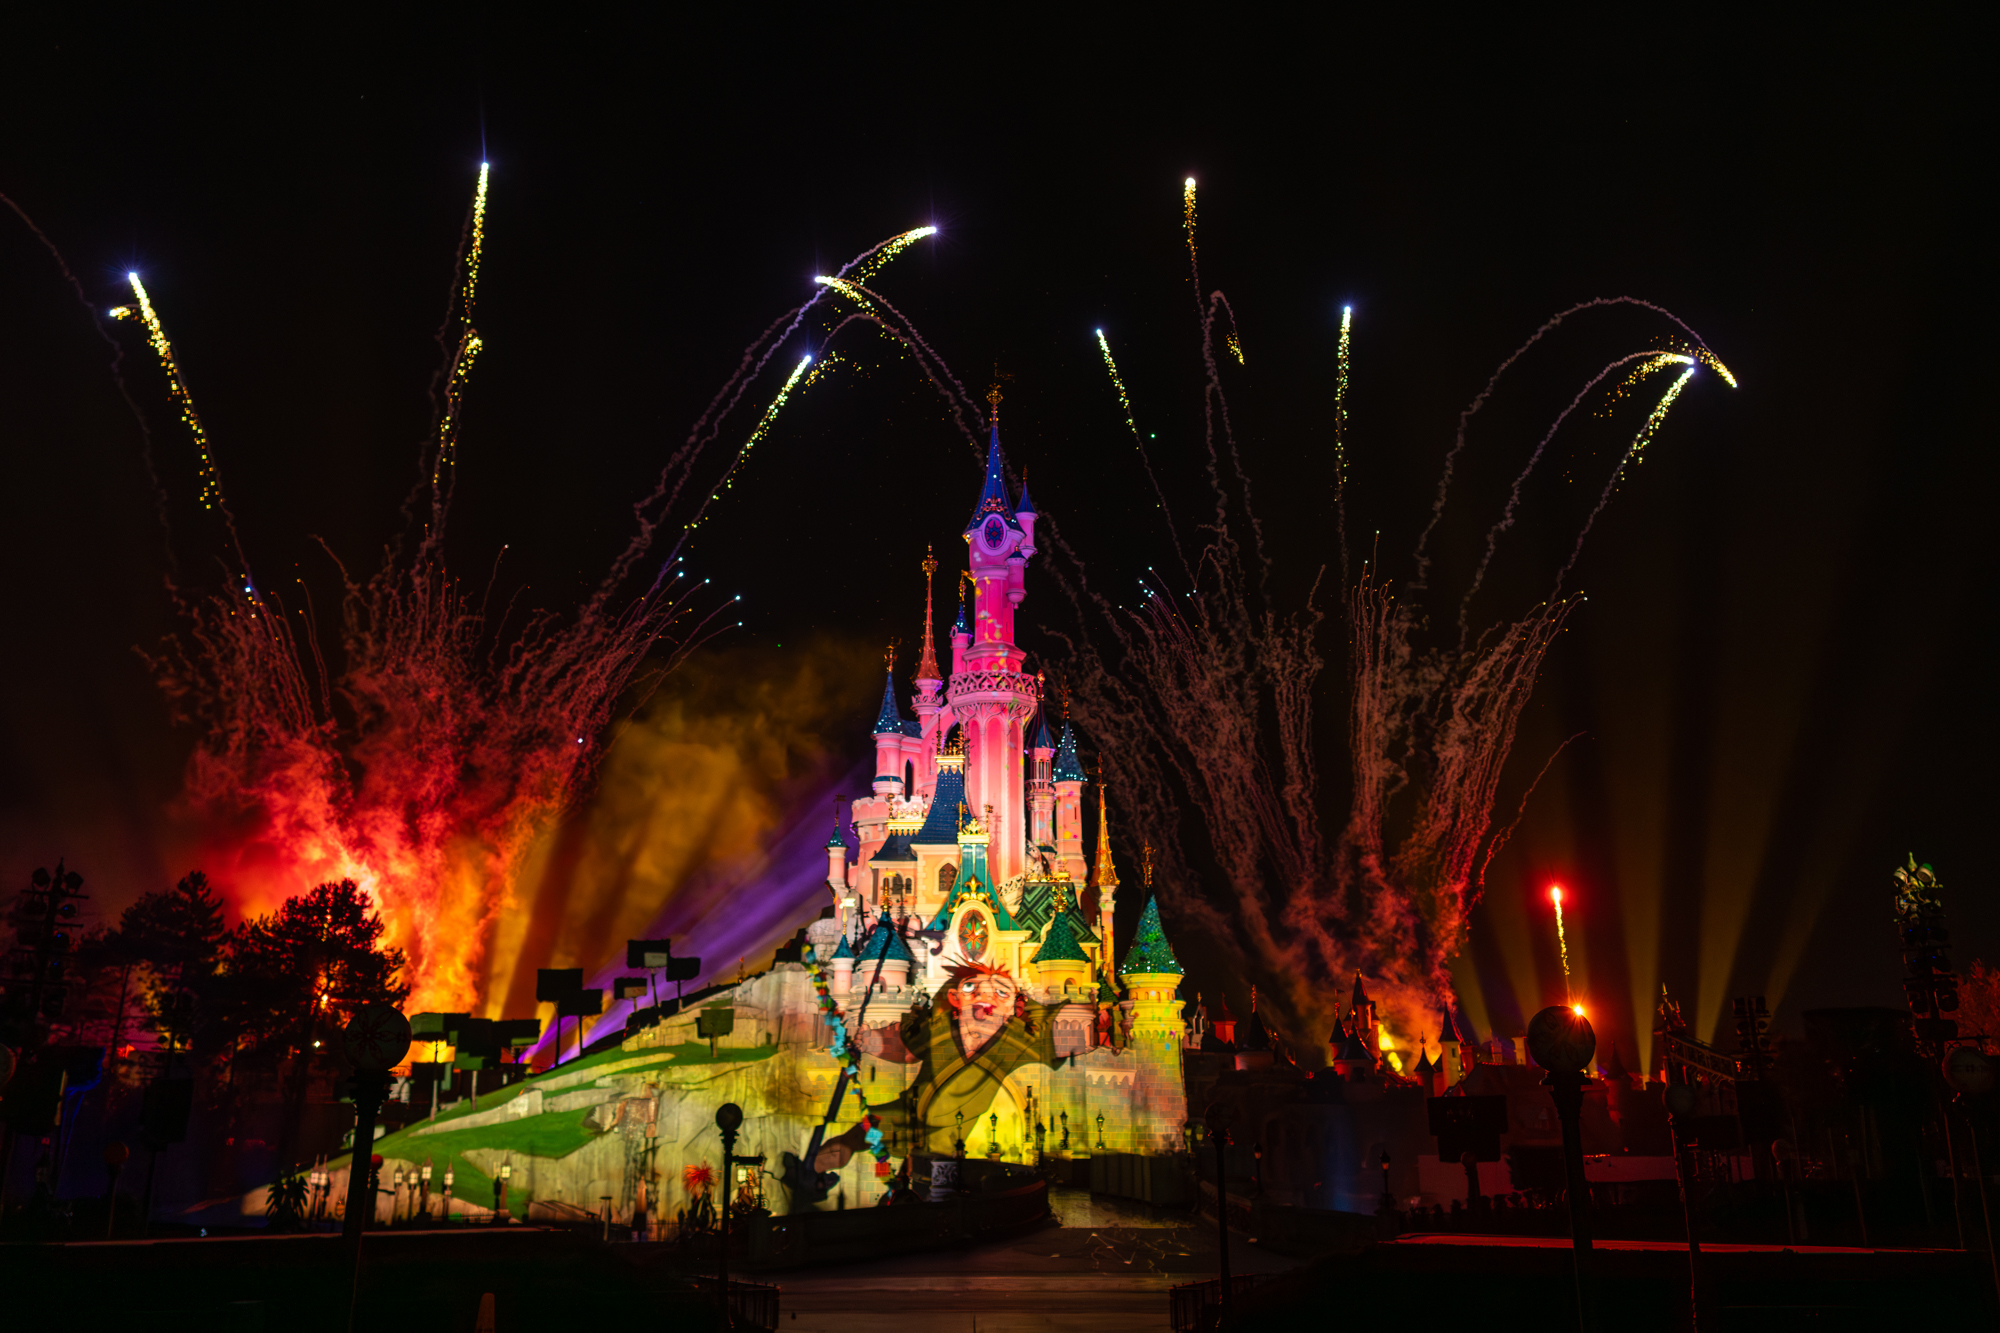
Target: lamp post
115, 1156
1561, 1041
448, 1176
728, 1119
993, 1135
1100, 1131
1971, 1072
1219, 1117
1064, 1117
1680, 1103
427, 1189
958, 1133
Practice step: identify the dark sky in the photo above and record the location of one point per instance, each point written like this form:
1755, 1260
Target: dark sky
1784, 673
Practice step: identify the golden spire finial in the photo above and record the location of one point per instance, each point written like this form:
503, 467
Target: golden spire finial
927, 667
1105, 873
1147, 871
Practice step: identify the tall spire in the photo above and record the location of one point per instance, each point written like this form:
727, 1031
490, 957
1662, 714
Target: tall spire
1106, 874
927, 667
889, 719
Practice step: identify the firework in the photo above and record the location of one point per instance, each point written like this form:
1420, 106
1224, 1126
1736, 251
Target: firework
455, 747
210, 493
1211, 714
1118, 383
1562, 943
1145, 458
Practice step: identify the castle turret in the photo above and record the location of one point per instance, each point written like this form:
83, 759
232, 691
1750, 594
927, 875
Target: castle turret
929, 702
1067, 776
1061, 966
1104, 875
1041, 793
889, 738
843, 964
1361, 1021
836, 861
989, 694
1152, 977
883, 961
1452, 1054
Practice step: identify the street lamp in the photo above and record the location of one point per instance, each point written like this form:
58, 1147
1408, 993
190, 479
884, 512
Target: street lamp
728, 1119
1219, 1117
1100, 1131
1065, 1131
1561, 1041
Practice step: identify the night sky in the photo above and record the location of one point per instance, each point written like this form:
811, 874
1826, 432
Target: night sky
1783, 676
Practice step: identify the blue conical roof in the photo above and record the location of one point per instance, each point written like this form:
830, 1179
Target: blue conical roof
884, 944
844, 950
1025, 506
941, 820
1068, 769
961, 625
1043, 741
889, 721
836, 840
993, 496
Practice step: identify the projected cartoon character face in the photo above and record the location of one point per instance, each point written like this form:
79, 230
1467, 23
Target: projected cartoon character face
982, 998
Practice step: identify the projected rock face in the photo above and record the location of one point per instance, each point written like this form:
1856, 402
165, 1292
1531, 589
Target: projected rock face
965, 957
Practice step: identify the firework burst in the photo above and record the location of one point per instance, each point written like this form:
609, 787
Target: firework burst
425, 762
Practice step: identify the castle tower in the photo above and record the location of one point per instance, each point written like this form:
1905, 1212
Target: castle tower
1361, 1021
1041, 791
989, 695
889, 738
1067, 775
836, 860
1452, 1056
1104, 875
929, 702
1152, 977
1061, 966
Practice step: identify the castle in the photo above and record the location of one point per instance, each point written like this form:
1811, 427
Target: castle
969, 872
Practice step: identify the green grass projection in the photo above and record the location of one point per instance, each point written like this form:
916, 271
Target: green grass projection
552, 1135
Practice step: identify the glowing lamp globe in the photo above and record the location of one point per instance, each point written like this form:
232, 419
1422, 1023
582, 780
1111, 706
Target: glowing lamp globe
1560, 1039
1969, 1071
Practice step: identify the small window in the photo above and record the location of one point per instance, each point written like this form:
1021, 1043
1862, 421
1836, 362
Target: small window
909, 780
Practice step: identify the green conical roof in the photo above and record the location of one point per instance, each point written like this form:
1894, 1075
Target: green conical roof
1059, 944
1150, 953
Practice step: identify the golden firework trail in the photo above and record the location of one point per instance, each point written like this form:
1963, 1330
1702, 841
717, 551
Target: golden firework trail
1341, 366
888, 250
156, 334
1187, 213
478, 240
727, 480
469, 343
1562, 942
1118, 382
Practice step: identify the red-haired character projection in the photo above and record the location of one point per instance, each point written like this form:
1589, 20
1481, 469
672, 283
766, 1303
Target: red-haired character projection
979, 1032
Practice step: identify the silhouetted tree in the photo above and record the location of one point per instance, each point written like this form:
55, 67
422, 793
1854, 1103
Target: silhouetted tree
291, 979
178, 935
